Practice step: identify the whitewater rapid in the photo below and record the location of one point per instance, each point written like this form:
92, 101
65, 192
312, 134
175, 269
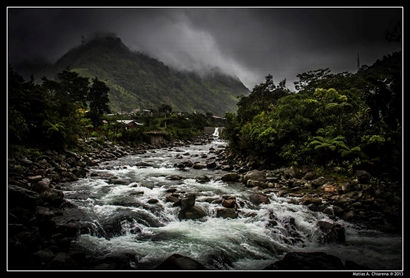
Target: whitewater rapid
150, 229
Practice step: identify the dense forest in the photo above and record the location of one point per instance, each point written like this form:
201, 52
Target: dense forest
344, 121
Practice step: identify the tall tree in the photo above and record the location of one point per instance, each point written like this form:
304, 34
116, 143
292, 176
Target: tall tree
74, 86
98, 97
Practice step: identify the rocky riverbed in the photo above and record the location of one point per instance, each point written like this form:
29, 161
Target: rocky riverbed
361, 199
37, 237
114, 207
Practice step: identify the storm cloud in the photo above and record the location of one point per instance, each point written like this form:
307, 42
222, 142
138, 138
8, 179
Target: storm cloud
246, 42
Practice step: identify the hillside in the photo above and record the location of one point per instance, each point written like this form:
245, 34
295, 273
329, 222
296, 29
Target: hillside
139, 81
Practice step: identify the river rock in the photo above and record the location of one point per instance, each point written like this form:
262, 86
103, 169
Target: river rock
229, 202
318, 182
309, 176
177, 261
116, 180
174, 177
210, 164
112, 225
171, 190
258, 199
53, 197
307, 200
226, 213
202, 179
330, 232
345, 187
152, 201
329, 211
363, 176
172, 197
34, 178
254, 183
143, 164
349, 215
42, 185
187, 201
330, 188
307, 261
184, 164
26, 161
193, 213
198, 165
255, 175
231, 177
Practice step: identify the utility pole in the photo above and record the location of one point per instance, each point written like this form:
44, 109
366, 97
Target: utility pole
358, 60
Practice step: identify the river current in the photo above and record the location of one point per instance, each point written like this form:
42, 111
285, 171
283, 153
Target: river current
126, 202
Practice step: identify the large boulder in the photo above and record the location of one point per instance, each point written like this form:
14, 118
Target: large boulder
188, 208
193, 213
258, 199
199, 165
229, 202
177, 261
329, 232
113, 224
203, 179
42, 185
226, 213
255, 175
211, 164
254, 183
53, 197
184, 164
187, 201
307, 261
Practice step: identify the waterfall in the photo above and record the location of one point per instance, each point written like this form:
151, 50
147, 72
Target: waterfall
216, 132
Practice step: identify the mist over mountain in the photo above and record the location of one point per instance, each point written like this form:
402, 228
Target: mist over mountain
138, 81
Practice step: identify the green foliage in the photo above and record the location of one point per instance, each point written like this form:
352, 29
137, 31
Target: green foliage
331, 120
98, 97
51, 114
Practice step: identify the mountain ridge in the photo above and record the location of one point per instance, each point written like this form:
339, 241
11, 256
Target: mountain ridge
137, 80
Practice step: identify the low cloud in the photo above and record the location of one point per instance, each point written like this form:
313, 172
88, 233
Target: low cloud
247, 43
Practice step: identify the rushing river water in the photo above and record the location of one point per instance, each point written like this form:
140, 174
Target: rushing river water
131, 215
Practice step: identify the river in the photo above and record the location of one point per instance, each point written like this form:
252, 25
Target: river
126, 202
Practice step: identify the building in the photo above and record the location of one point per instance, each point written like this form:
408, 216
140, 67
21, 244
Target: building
130, 123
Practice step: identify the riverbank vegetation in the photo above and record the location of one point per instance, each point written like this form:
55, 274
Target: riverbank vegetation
340, 121
56, 114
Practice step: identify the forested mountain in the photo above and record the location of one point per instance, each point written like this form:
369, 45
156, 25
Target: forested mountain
139, 81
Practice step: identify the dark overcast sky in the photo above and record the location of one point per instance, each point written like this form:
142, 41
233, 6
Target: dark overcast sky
248, 42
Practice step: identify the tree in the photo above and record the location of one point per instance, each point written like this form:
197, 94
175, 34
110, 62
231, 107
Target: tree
73, 86
98, 98
165, 108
